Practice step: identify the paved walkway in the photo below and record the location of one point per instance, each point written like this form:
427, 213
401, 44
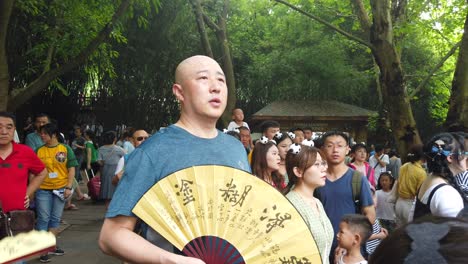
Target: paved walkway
80, 234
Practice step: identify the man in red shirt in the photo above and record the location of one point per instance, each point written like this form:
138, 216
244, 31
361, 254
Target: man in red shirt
17, 161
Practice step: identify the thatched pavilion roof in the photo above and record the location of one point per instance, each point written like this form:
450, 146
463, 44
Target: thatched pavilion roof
312, 110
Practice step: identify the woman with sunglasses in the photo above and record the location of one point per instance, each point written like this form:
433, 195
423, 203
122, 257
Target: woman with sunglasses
138, 137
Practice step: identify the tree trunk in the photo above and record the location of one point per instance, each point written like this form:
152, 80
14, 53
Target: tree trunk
19, 96
220, 30
227, 64
457, 116
197, 9
395, 99
366, 24
6, 6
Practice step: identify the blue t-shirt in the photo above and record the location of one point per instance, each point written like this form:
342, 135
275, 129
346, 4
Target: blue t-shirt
170, 150
34, 141
337, 199
128, 147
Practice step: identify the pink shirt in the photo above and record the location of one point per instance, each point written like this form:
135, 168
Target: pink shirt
370, 173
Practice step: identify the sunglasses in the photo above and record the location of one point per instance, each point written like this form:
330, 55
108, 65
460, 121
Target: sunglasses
141, 138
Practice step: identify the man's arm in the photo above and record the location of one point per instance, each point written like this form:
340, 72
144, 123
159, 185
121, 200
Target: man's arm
369, 212
118, 239
34, 183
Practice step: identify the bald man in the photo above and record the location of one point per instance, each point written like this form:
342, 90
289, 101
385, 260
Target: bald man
200, 87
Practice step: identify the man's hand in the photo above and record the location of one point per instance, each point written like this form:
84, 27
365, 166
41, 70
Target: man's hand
26, 201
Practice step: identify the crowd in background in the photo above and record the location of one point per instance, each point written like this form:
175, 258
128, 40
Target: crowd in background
352, 196
432, 181
316, 175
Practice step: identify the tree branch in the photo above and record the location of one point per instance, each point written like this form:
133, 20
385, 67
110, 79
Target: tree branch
210, 23
197, 9
364, 19
327, 24
431, 73
20, 96
399, 11
48, 59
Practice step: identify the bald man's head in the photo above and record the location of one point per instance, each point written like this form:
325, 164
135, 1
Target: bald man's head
191, 65
200, 87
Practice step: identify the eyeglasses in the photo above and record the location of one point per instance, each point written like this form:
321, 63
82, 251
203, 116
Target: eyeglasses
141, 138
323, 164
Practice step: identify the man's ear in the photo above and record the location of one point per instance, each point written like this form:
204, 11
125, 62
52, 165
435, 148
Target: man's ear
297, 172
178, 92
348, 149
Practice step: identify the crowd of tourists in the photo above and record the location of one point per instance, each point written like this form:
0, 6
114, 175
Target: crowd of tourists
360, 202
329, 179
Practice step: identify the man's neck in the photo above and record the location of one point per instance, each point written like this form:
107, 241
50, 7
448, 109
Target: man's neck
240, 123
203, 129
336, 171
6, 150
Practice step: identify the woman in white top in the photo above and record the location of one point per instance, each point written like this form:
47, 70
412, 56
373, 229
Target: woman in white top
438, 194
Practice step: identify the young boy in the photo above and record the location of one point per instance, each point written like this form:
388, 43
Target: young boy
237, 120
355, 230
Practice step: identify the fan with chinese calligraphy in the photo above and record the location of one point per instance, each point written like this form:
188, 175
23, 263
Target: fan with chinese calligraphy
26, 245
224, 215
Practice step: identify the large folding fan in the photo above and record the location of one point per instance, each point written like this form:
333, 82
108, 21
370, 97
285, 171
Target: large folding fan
26, 245
223, 215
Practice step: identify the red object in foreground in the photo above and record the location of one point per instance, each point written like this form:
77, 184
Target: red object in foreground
29, 255
213, 250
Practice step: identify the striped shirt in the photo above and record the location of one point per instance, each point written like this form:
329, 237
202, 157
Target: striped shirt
461, 179
371, 245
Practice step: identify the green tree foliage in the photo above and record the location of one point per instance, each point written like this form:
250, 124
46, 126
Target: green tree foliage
417, 26
46, 39
140, 93
279, 55
433, 28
